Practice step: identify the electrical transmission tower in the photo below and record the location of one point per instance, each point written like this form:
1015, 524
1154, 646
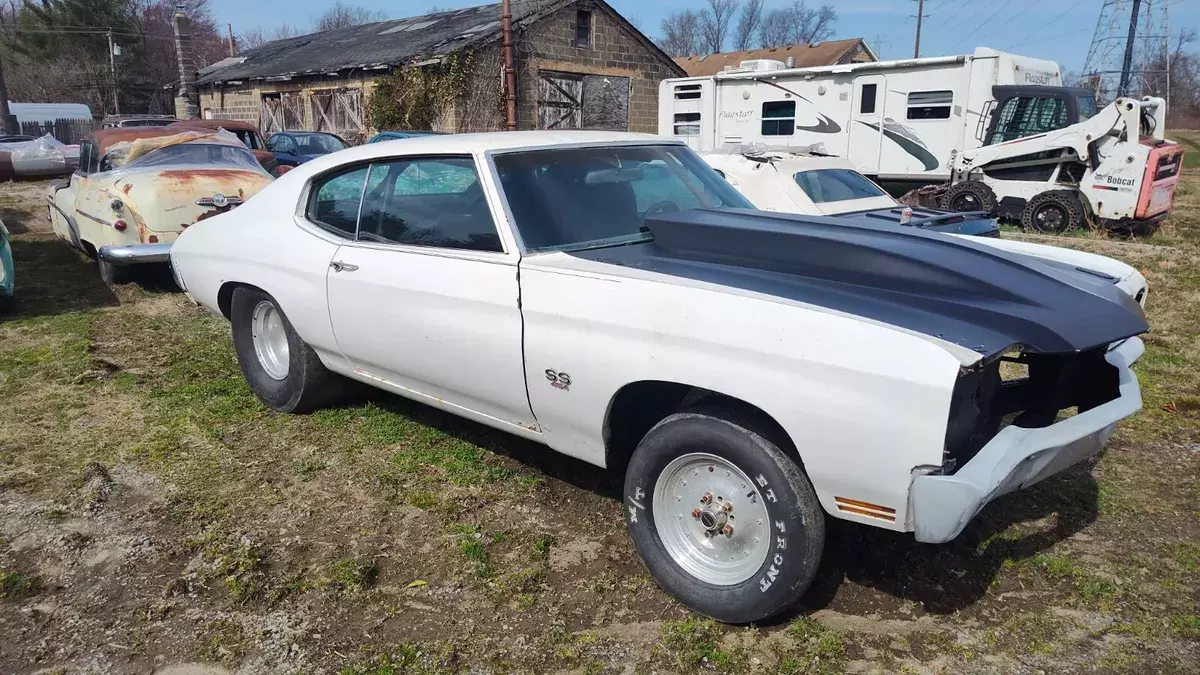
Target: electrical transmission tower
1130, 50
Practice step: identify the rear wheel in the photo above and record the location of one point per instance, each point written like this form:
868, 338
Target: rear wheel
725, 521
284, 372
969, 196
1053, 212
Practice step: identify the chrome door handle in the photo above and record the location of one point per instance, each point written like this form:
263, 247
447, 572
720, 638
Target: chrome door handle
339, 266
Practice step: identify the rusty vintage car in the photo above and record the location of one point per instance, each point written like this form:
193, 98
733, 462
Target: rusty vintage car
136, 189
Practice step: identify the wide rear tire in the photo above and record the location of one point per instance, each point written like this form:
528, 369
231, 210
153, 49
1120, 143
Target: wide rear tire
284, 372
715, 464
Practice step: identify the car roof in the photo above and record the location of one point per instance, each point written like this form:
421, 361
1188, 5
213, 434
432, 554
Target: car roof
230, 125
784, 161
104, 139
495, 141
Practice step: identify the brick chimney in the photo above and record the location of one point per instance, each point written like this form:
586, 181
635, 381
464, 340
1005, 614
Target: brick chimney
187, 99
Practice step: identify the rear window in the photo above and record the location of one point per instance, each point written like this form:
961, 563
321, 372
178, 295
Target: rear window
836, 185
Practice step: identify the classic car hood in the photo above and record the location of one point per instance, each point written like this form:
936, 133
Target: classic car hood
165, 200
974, 224
950, 288
1113, 268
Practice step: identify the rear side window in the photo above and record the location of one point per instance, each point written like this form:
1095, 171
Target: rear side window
779, 118
334, 203
436, 202
836, 185
930, 105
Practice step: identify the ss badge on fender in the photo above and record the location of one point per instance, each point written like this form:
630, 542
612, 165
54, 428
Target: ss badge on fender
558, 380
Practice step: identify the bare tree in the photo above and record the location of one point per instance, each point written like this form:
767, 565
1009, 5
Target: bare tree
341, 15
797, 24
681, 33
284, 31
714, 24
252, 38
747, 25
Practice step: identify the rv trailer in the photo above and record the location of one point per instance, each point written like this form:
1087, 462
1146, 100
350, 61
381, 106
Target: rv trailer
897, 121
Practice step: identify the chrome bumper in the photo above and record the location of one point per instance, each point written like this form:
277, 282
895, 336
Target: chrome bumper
135, 254
941, 506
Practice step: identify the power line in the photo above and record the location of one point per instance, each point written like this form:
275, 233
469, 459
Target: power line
1051, 22
983, 23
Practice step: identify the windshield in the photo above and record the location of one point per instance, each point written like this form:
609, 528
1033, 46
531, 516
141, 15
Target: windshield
317, 144
249, 138
576, 198
192, 154
836, 185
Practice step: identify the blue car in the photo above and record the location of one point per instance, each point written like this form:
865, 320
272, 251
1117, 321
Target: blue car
293, 148
394, 135
6, 270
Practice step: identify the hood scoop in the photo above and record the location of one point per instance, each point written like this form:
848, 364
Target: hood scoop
974, 295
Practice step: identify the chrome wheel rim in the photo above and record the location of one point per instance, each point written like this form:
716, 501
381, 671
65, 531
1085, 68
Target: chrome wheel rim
696, 498
270, 339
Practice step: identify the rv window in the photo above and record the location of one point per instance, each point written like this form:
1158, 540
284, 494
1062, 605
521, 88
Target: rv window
779, 118
687, 91
930, 105
866, 104
687, 124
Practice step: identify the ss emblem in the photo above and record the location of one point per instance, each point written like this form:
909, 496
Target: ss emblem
558, 380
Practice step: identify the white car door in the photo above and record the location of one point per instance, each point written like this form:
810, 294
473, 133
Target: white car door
425, 300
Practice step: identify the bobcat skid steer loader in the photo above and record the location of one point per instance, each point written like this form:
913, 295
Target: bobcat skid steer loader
1113, 169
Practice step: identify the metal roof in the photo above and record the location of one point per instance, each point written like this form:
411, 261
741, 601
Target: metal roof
374, 45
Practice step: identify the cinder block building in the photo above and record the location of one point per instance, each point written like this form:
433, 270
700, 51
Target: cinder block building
579, 64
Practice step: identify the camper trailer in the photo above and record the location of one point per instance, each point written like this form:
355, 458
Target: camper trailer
897, 121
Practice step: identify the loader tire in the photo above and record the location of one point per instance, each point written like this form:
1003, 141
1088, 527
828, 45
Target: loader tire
1053, 212
970, 195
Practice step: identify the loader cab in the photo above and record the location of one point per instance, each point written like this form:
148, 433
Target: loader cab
1024, 111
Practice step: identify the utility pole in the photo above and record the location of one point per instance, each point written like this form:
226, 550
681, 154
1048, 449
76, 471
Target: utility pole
229, 28
112, 65
1127, 63
920, 16
8, 121
510, 76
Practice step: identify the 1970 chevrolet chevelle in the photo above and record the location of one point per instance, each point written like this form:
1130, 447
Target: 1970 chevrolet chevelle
610, 296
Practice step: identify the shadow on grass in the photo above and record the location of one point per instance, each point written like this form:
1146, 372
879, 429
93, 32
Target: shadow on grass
943, 578
51, 278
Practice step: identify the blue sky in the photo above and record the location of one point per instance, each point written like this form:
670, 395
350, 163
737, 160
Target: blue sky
1060, 30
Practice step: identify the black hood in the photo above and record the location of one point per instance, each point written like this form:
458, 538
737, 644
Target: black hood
948, 287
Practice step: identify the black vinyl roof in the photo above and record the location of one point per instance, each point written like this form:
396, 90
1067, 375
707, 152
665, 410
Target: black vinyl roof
374, 45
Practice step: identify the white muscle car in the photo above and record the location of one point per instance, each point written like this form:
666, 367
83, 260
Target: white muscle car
610, 296
136, 189
817, 184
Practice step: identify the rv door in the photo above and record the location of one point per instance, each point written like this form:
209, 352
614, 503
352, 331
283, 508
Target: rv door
866, 129
687, 112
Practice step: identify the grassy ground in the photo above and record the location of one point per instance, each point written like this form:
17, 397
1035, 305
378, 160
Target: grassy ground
153, 514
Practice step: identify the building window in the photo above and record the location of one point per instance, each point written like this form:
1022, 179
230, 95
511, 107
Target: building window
687, 124
583, 28
685, 92
930, 105
866, 104
779, 118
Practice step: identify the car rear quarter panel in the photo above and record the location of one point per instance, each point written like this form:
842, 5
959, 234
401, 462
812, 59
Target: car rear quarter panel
864, 403
260, 244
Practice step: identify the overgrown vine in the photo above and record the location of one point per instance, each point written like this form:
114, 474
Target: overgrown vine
419, 97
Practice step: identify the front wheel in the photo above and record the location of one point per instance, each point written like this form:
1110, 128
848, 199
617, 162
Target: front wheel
725, 521
284, 372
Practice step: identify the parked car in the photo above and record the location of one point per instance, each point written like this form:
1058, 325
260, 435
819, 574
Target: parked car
751, 372
396, 135
15, 138
125, 121
246, 132
37, 158
7, 271
136, 189
293, 148
817, 185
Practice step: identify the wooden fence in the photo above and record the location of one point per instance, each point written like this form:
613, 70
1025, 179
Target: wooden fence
68, 131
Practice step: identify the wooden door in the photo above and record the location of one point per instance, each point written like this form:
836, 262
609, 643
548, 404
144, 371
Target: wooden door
560, 97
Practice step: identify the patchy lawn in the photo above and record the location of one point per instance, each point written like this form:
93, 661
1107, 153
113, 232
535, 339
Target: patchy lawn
154, 514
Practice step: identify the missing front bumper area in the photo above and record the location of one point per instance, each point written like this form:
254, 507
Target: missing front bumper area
1023, 454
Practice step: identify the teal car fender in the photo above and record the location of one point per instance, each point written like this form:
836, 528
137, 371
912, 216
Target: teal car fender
6, 265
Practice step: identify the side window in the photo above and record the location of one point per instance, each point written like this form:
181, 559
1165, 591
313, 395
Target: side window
435, 201
85, 158
687, 124
866, 103
685, 92
930, 105
779, 118
334, 201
